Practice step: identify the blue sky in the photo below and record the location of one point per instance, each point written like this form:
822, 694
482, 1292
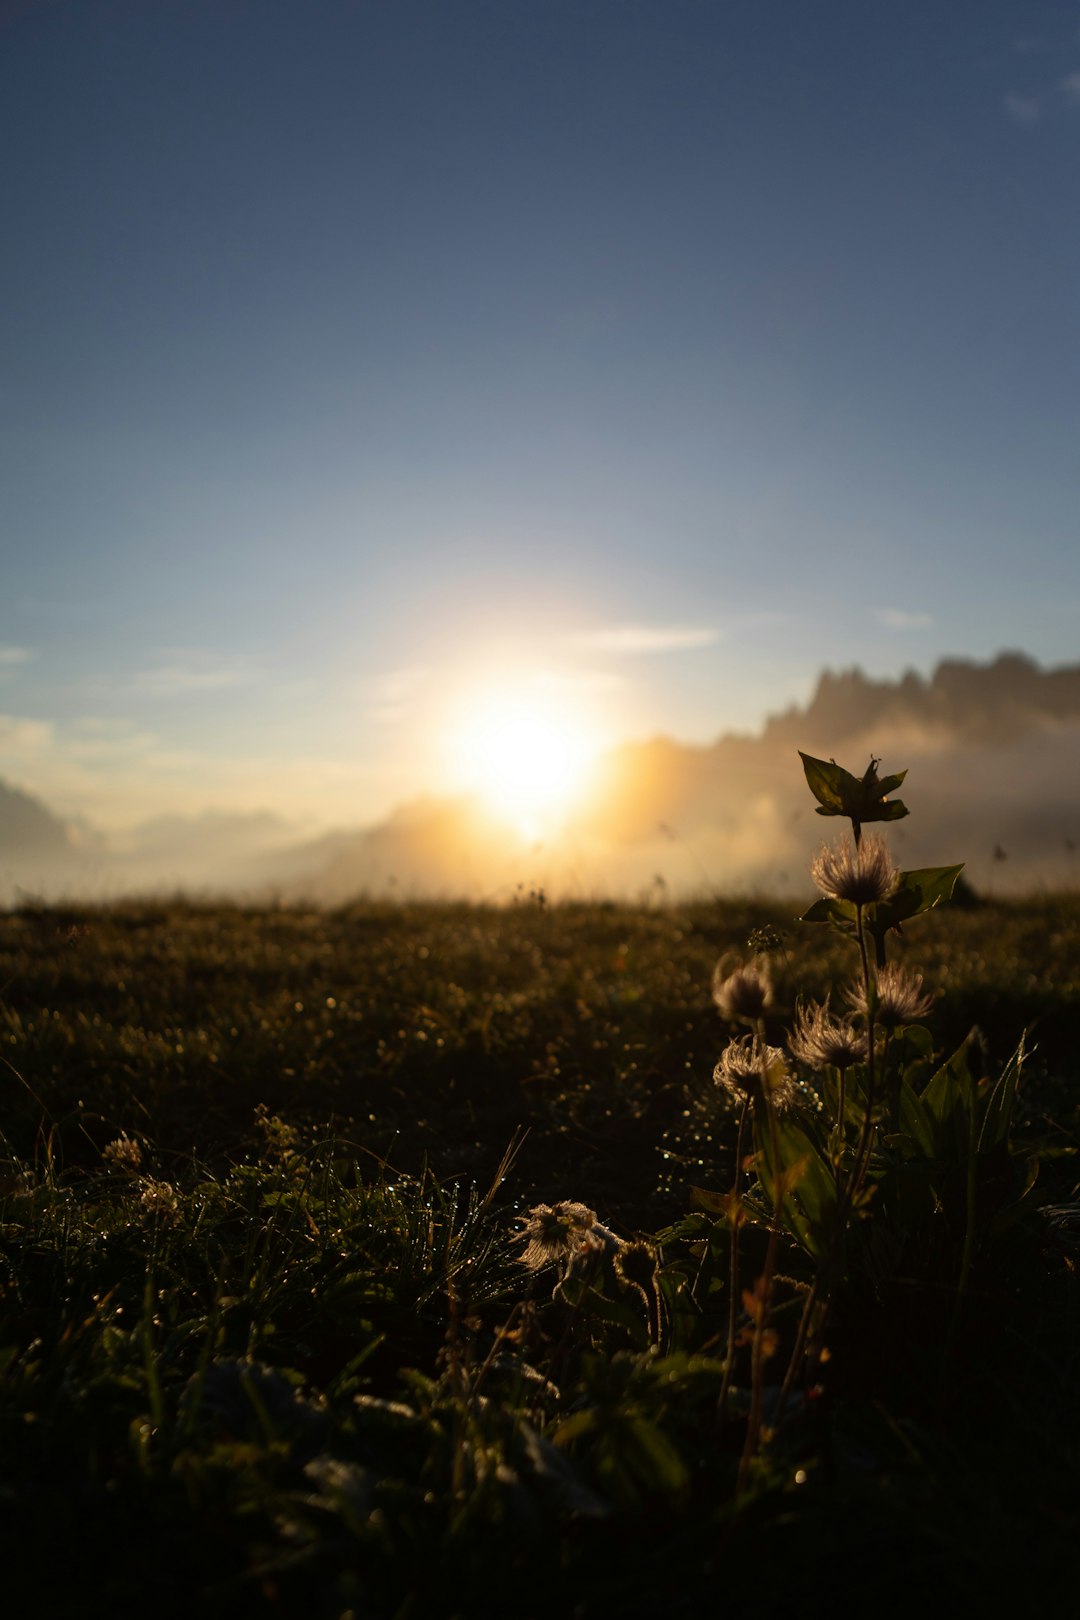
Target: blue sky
361, 358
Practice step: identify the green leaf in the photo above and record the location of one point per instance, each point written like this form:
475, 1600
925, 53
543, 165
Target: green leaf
576, 1292
997, 1115
917, 1121
713, 1202
912, 1044
949, 1100
802, 1179
654, 1458
824, 778
916, 892
859, 798
841, 913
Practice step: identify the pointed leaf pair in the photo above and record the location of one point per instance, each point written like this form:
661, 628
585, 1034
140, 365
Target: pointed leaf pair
861, 799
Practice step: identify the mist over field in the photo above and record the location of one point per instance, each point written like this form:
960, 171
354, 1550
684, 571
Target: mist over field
992, 752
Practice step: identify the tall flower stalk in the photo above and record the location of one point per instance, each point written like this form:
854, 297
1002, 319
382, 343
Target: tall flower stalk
755, 1074
860, 872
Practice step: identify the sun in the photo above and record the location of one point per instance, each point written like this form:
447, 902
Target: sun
527, 755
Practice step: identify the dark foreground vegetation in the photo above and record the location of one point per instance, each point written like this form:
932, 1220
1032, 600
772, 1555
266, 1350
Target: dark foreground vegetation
268, 1345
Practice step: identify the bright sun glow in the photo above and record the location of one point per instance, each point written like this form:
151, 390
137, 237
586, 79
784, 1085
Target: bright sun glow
527, 755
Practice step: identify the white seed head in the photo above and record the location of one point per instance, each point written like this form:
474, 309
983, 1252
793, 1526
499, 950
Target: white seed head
862, 873
744, 995
821, 1041
749, 1070
556, 1233
899, 999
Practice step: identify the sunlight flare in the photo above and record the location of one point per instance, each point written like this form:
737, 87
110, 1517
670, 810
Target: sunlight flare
524, 752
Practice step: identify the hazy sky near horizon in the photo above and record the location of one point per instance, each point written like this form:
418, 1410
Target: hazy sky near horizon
361, 359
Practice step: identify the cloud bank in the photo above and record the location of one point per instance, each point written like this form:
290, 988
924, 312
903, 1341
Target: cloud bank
992, 753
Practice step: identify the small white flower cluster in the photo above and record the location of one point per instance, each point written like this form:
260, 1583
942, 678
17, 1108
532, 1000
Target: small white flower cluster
123, 1153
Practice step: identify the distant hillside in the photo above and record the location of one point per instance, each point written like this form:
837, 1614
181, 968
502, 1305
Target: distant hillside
27, 828
36, 847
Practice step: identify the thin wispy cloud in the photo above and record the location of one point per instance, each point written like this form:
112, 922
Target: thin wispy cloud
108, 740
581, 682
394, 694
648, 638
10, 656
397, 685
20, 736
898, 619
1023, 110
1071, 86
190, 673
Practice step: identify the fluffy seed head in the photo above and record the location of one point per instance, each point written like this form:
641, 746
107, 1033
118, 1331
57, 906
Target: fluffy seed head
568, 1234
862, 873
743, 996
899, 1000
821, 1041
748, 1069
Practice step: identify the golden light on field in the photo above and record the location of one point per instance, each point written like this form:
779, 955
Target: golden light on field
525, 752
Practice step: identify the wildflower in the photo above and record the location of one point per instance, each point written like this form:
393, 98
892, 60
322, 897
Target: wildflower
158, 1198
862, 873
123, 1153
566, 1233
821, 1041
743, 995
280, 1140
748, 1069
899, 998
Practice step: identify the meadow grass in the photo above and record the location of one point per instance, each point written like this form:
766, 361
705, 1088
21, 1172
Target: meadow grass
268, 1345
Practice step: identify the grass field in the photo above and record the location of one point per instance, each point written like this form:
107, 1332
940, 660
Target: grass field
267, 1343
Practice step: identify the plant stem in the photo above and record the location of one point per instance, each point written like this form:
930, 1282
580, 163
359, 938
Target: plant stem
837, 1168
798, 1347
969, 1242
733, 1269
761, 1323
862, 1152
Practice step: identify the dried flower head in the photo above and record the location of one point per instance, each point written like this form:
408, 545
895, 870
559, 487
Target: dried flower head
123, 1153
899, 998
744, 995
749, 1070
566, 1234
821, 1041
636, 1264
863, 873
